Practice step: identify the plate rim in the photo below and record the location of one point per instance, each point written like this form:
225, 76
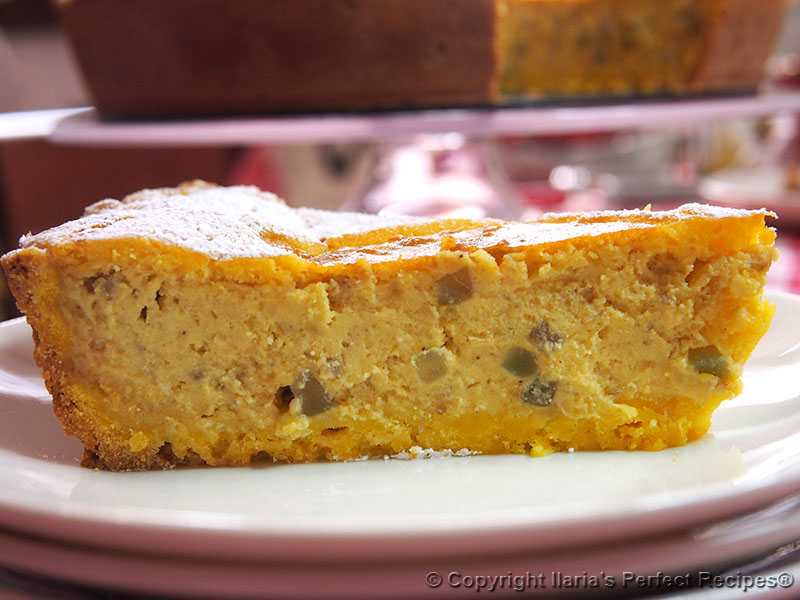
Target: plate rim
673, 552
687, 508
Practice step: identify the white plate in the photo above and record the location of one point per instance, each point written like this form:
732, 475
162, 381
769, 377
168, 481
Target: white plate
466, 506
87, 127
688, 556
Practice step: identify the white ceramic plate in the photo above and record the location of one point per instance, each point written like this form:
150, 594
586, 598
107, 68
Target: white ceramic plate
688, 556
465, 506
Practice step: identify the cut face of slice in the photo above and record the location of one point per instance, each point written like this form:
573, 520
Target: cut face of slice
271, 334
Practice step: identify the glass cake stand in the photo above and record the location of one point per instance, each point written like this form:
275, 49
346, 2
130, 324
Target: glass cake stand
441, 162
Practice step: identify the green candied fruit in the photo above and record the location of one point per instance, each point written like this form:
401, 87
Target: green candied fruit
430, 364
540, 393
313, 397
454, 288
543, 337
519, 362
708, 359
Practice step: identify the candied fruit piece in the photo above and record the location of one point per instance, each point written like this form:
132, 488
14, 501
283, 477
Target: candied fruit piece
283, 398
543, 337
430, 364
454, 288
519, 362
708, 359
311, 394
540, 393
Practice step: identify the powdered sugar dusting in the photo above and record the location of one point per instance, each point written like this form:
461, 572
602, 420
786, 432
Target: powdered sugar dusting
221, 222
414, 453
418, 452
328, 224
691, 209
234, 222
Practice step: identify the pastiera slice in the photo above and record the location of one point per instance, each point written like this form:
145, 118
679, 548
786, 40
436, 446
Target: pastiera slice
217, 325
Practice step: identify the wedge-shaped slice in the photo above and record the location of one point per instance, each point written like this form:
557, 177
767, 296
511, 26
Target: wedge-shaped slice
217, 325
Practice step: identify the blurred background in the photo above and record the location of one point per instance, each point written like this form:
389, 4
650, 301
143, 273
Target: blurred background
748, 163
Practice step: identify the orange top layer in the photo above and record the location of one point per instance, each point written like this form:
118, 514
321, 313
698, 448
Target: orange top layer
243, 222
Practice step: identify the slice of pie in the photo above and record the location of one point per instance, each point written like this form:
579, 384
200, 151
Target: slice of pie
217, 325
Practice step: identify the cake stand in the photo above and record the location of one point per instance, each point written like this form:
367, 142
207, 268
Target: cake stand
440, 161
